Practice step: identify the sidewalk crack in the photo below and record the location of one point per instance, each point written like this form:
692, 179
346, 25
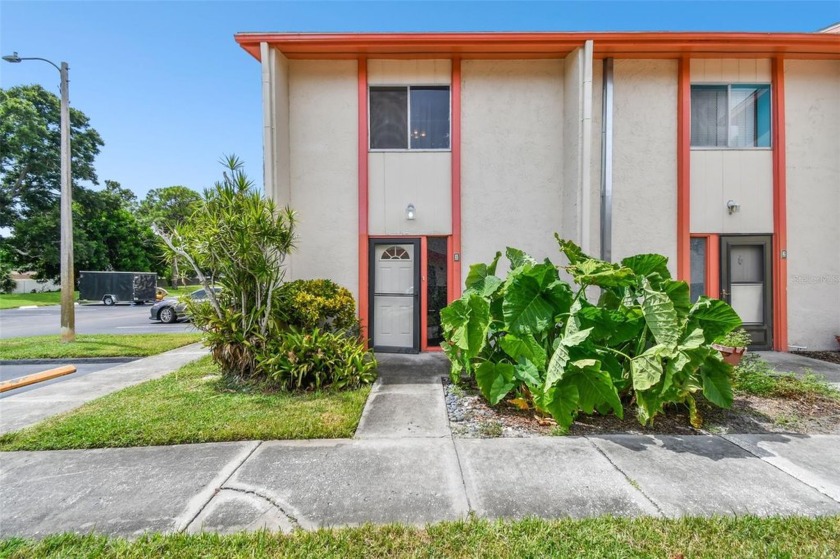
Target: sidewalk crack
186, 518
633, 483
290, 517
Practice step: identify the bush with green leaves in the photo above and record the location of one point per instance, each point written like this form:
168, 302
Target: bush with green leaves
238, 239
318, 303
536, 336
312, 358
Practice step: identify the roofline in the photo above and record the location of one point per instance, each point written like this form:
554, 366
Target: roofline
659, 44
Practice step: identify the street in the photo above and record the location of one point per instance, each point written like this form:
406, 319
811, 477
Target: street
90, 319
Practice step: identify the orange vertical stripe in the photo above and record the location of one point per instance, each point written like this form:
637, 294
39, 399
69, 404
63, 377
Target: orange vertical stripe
780, 330
713, 266
684, 169
455, 290
424, 292
363, 198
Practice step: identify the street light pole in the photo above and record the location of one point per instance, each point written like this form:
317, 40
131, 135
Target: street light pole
68, 311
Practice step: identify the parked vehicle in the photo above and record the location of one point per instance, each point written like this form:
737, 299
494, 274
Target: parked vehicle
172, 309
117, 287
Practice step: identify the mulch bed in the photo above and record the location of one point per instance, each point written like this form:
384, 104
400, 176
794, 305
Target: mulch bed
830, 356
470, 416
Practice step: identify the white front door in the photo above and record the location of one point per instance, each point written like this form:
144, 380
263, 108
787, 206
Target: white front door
394, 296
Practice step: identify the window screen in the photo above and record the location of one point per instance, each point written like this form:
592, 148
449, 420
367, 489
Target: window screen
429, 118
388, 118
734, 116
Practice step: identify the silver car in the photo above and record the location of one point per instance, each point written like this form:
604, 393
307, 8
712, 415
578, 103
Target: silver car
172, 309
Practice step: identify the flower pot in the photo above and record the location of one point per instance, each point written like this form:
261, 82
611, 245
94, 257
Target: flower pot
731, 355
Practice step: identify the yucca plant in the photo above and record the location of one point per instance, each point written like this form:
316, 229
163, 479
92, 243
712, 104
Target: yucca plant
237, 239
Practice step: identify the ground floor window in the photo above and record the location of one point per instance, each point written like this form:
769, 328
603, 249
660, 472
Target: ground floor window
698, 267
436, 287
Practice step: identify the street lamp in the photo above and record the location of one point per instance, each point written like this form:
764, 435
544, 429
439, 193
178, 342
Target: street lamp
68, 316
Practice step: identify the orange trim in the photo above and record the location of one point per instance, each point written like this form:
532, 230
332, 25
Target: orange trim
424, 292
545, 45
780, 323
713, 266
456, 180
363, 198
684, 170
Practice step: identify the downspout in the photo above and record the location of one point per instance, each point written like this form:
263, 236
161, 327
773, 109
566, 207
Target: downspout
606, 160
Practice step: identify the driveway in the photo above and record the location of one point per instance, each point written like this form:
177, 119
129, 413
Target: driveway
90, 319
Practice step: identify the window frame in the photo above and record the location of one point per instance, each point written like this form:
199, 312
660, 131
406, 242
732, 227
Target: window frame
728, 86
408, 88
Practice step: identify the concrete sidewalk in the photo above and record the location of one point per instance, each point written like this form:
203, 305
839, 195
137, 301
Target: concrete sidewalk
404, 466
29, 407
799, 364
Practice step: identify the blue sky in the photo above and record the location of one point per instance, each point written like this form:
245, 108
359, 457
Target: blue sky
170, 91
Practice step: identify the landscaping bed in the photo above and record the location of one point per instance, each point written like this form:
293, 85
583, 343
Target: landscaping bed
742, 536
829, 356
195, 405
763, 403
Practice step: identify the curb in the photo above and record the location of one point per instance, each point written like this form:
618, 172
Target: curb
73, 359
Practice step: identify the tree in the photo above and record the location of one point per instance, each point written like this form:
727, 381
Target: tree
30, 151
169, 207
241, 239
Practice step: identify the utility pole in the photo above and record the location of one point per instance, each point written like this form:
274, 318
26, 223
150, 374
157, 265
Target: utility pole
68, 311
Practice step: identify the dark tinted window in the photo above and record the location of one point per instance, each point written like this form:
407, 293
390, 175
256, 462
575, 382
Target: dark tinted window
429, 118
388, 118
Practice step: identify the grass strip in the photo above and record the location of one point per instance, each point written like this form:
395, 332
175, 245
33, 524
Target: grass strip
755, 376
15, 300
743, 537
94, 345
194, 405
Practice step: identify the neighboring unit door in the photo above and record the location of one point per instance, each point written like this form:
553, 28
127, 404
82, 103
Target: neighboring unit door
395, 317
745, 284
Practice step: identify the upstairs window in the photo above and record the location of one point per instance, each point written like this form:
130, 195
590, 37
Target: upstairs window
414, 117
730, 116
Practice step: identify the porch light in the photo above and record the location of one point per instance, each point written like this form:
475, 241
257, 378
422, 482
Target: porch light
733, 206
410, 212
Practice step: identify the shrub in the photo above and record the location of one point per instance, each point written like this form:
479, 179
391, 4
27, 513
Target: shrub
239, 238
644, 341
313, 358
318, 303
735, 338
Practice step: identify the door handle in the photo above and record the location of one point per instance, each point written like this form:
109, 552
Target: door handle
724, 294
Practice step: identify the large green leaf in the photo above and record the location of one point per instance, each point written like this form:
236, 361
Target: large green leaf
525, 346
571, 250
716, 317
533, 299
561, 402
595, 387
495, 380
647, 264
660, 317
481, 278
680, 295
465, 323
716, 385
646, 369
527, 372
518, 258
557, 365
600, 273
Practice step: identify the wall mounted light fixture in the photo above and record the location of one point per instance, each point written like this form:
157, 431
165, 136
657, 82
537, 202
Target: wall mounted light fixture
410, 212
733, 206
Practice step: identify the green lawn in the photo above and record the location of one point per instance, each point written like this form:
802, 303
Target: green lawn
755, 376
194, 405
742, 537
94, 345
15, 300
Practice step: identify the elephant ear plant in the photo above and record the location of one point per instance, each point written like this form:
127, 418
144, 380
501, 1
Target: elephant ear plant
534, 336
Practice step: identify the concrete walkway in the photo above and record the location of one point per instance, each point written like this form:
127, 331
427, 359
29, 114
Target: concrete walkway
27, 408
404, 466
799, 364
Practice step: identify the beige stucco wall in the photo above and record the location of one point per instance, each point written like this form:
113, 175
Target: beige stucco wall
396, 179
512, 158
275, 88
812, 117
595, 159
743, 176
645, 159
730, 70
323, 135
409, 72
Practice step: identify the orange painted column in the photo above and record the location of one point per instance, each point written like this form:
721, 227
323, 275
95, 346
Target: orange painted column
713, 266
684, 170
780, 323
455, 277
363, 198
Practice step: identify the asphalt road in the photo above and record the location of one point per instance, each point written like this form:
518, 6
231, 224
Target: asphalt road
90, 319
